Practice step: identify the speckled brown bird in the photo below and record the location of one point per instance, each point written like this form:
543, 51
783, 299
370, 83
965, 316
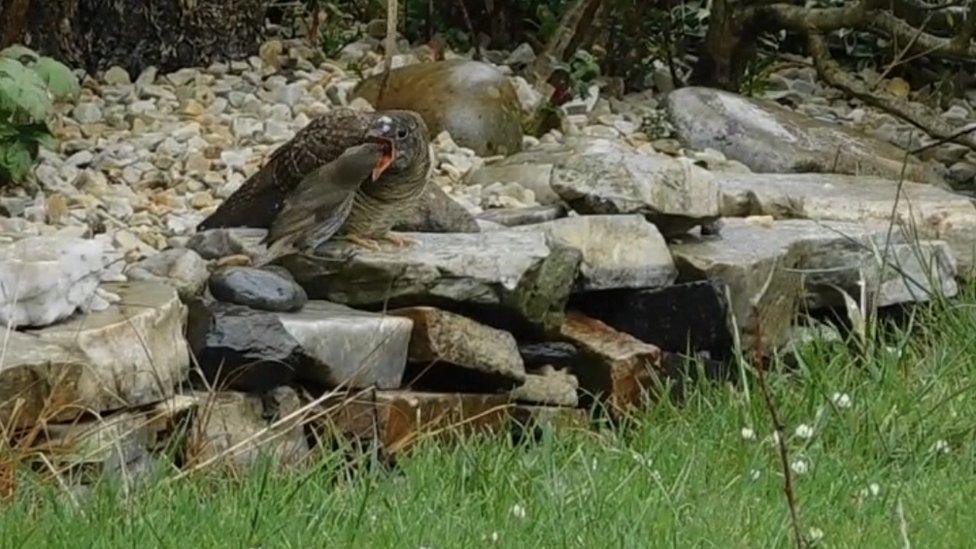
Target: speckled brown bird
377, 203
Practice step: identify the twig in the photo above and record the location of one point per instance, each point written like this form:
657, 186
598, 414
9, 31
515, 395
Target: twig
780, 431
467, 22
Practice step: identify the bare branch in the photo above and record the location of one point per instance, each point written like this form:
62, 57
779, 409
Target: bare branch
919, 115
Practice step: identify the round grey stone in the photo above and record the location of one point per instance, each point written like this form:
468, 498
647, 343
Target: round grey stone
264, 289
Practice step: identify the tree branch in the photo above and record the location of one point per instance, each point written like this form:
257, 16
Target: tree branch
919, 115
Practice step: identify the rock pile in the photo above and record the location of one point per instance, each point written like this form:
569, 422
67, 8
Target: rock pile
576, 273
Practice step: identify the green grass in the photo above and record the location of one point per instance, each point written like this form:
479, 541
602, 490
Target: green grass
683, 475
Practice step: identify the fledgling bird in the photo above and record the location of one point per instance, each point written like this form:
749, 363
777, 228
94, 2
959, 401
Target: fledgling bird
377, 204
315, 211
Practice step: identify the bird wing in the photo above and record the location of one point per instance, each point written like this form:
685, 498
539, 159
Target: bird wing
261, 197
322, 201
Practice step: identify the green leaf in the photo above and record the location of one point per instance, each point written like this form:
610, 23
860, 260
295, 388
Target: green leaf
22, 93
61, 82
21, 53
15, 159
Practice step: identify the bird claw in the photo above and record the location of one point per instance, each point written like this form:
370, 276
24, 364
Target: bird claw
399, 241
363, 242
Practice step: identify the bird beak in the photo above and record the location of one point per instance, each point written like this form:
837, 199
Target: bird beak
389, 154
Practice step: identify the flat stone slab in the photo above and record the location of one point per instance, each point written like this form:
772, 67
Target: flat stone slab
349, 348
499, 277
448, 346
929, 211
130, 354
616, 368
397, 419
326, 343
619, 251
771, 266
691, 317
771, 139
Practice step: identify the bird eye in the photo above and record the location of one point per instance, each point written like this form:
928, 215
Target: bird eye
401, 133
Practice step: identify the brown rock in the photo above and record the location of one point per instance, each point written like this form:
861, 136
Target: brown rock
397, 419
473, 101
614, 367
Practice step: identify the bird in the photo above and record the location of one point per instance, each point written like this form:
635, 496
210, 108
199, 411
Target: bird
391, 188
314, 212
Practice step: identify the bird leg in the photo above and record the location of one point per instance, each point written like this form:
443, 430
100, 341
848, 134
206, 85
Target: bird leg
364, 242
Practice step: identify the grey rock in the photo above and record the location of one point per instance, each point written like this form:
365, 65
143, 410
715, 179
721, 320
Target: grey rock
218, 243
770, 266
116, 76
46, 279
438, 213
933, 212
516, 275
240, 348
536, 177
237, 428
769, 138
549, 386
521, 56
257, 288
513, 217
183, 269
443, 344
619, 251
602, 176
131, 354
962, 173
472, 101
87, 113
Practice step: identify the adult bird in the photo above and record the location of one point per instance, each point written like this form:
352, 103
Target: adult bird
310, 174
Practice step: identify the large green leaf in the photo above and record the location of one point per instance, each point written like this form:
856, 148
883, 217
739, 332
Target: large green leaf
61, 82
15, 159
21, 53
22, 92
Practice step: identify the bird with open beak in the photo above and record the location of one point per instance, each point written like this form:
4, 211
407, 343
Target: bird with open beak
347, 174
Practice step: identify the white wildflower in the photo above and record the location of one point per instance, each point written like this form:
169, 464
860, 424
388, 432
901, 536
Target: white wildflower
493, 537
518, 511
874, 489
841, 400
748, 434
804, 431
815, 534
754, 474
941, 447
800, 466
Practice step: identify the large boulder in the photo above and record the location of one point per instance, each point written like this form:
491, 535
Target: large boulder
46, 279
770, 138
925, 210
603, 176
500, 277
473, 101
770, 266
130, 354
